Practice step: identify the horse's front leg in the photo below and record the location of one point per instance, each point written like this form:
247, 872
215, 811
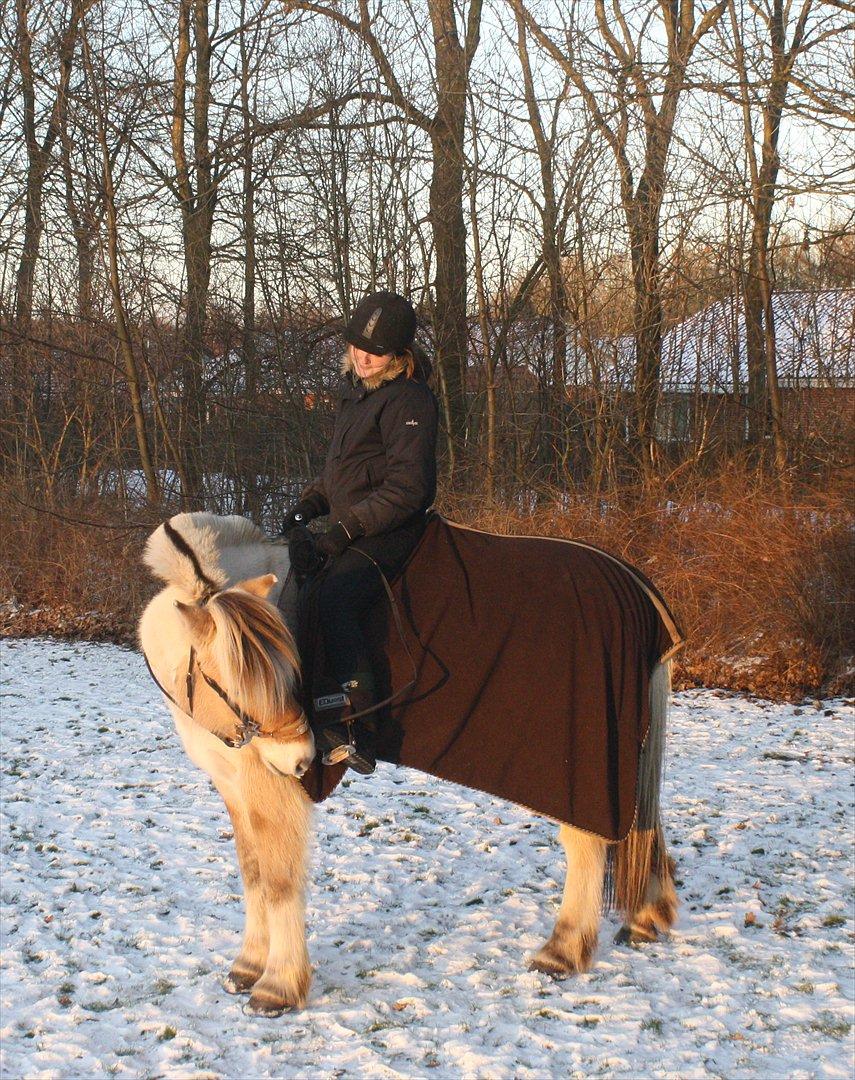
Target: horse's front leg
574, 938
279, 813
223, 765
252, 959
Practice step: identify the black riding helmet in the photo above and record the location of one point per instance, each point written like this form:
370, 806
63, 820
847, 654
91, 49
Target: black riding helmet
383, 322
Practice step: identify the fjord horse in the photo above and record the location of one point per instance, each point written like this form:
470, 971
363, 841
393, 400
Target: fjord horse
217, 646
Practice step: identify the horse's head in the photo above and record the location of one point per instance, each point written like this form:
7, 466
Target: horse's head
247, 662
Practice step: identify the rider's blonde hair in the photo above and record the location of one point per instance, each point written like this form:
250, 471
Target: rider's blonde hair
405, 361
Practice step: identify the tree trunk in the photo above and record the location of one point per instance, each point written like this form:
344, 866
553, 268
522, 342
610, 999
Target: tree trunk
551, 238
83, 230
197, 210
39, 154
446, 213
764, 395
249, 354
123, 333
648, 316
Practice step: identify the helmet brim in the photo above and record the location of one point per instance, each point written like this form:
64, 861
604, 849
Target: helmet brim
364, 343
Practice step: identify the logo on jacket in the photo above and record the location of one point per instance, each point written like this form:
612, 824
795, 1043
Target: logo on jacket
412, 423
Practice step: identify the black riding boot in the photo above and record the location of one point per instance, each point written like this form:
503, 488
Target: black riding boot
342, 739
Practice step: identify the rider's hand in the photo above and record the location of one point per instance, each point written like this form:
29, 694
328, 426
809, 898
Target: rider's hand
334, 540
299, 514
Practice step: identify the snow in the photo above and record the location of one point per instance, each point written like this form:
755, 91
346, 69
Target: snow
121, 906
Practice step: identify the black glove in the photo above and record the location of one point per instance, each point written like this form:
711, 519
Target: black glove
334, 540
305, 558
299, 514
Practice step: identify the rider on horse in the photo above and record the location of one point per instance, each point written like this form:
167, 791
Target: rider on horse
378, 482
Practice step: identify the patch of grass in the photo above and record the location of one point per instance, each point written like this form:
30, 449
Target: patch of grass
653, 1024
834, 920
167, 1034
100, 1006
379, 1025
829, 1024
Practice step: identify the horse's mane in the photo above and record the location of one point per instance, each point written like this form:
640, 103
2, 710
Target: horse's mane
254, 652
210, 538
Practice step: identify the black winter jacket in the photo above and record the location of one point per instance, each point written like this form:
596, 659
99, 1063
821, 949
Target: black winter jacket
381, 464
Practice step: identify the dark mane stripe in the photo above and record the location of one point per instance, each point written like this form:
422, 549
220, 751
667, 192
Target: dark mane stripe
185, 549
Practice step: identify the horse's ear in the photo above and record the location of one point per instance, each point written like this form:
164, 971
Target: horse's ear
258, 586
198, 620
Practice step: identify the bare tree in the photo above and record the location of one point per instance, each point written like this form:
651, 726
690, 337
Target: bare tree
40, 148
98, 85
452, 59
765, 63
654, 87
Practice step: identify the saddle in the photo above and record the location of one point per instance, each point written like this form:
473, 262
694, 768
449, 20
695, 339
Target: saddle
518, 666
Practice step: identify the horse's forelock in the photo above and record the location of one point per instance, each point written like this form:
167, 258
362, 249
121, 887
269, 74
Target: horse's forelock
255, 653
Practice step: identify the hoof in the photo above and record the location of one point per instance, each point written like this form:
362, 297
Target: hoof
635, 935
234, 983
548, 965
265, 1007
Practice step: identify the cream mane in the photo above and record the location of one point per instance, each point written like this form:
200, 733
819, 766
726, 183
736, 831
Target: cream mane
255, 654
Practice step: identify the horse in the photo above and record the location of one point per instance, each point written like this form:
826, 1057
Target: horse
219, 647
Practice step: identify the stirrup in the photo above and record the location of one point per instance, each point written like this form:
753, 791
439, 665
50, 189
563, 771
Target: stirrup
347, 753
341, 746
338, 754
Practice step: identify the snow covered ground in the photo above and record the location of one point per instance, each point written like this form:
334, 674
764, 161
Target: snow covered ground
120, 906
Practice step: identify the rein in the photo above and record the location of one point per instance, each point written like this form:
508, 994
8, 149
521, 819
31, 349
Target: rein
249, 727
407, 687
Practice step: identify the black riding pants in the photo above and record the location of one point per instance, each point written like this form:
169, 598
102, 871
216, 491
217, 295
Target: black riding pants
350, 585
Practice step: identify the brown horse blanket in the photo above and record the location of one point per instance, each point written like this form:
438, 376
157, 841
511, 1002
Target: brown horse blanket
530, 660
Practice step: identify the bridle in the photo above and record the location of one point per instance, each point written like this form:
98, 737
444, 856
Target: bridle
249, 727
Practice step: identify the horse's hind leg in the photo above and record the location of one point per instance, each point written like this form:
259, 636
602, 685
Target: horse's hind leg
644, 887
252, 959
574, 939
643, 872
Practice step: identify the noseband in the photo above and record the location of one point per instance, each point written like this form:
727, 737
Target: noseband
249, 727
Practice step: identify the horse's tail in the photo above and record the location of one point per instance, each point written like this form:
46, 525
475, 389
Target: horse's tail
642, 870
183, 552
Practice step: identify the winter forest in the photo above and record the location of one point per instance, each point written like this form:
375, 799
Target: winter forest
627, 229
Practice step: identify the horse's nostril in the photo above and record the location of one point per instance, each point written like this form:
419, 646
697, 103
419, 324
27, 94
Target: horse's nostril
302, 769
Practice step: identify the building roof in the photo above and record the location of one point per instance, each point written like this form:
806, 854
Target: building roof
706, 353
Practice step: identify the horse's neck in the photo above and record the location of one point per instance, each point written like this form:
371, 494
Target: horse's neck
253, 560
